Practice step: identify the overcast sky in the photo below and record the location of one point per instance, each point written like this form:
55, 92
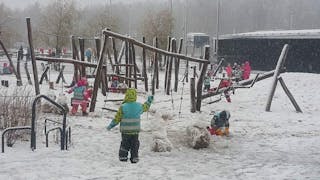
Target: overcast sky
20, 4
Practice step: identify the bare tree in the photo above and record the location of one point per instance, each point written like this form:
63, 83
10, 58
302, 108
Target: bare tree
159, 25
94, 19
57, 23
6, 31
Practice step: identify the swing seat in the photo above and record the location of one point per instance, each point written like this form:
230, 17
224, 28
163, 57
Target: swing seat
118, 90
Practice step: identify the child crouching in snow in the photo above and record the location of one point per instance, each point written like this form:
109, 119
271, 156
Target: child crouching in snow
220, 124
128, 116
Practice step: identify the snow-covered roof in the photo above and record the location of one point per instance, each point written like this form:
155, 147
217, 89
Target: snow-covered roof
197, 34
281, 34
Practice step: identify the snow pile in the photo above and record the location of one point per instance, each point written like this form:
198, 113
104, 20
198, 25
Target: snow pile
63, 101
161, 143
280, 144
46, 106
199, 136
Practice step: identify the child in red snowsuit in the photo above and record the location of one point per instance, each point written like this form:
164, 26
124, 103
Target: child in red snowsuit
246, 70
229, 70
80, 96
226, 83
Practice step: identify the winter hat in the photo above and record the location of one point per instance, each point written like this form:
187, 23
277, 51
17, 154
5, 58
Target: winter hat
131, 95
223, 115
82, 82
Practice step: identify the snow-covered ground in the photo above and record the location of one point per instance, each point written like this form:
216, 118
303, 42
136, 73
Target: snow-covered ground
280, 144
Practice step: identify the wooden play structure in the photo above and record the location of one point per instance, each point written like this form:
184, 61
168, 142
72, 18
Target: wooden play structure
109, 64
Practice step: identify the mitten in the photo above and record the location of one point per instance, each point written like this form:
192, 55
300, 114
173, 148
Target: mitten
150, 99
111, 125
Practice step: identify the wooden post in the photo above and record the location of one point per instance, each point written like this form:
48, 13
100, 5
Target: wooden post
193, 94
60, 76
155, 67
170, 62
27, 72
74, 56
127, 60
286, 90
176, 67
135, 66
98, 76
33, 59
276, 74
44, 75
200, 80
83, 68
123, 46
130, 62
144, 66
166, 62
115, 54
109, 56
10, 61
103, 82
156, 64
98, 48
19, 81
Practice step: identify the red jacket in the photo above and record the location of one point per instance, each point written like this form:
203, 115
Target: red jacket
246, 70
229, 71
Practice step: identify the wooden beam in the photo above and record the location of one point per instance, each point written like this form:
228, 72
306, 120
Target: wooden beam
9, 58
144, 66
60, 76
151, 48
279, 66
33, 58
135, 66
166, 62
289, 94
44, 75
27, 72
124, 65
176, 67
98, 73
193, 94
200, 80
82, 58
170, 62
74, 57
66, 60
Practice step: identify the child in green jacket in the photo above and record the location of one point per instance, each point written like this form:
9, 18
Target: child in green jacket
128, 116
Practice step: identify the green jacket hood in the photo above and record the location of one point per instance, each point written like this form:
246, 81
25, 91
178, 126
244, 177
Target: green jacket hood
131, 95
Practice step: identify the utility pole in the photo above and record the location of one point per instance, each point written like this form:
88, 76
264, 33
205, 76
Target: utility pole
170, 4
186, 25
217, 33
110, 12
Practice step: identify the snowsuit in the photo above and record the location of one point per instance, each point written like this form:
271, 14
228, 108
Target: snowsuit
80, 97
226, 83
229, 71
88, 54
220, 123
246, 70
128, 116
